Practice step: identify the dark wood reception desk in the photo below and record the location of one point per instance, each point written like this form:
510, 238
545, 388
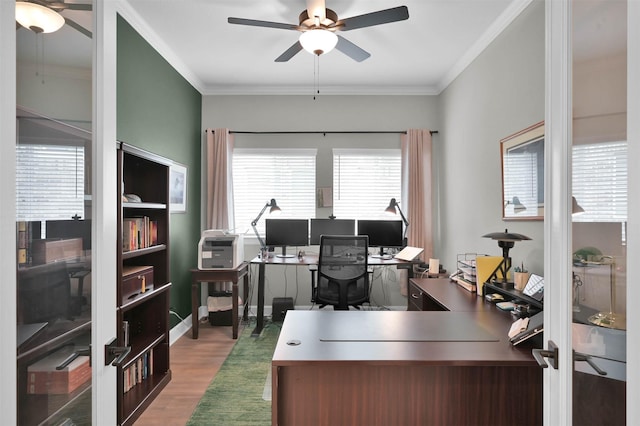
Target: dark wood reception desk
448, 367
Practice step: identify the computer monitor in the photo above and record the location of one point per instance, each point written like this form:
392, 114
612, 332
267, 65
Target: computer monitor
286, 232
330, 227
382, 233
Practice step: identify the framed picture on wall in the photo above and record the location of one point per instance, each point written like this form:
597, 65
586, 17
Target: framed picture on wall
177, 188
523, 174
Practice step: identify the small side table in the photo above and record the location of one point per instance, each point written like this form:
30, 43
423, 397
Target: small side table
220, 275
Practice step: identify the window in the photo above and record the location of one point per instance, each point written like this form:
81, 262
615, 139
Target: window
288, 175
600, 181
49, 182
364, 181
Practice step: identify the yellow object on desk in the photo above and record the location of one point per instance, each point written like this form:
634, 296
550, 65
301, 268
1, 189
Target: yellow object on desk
485, 266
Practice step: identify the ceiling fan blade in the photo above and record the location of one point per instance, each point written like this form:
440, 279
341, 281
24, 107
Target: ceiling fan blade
78, 6
73, 24
290, 52
351, 50
386, 16
317, 8
268, 24
61, 5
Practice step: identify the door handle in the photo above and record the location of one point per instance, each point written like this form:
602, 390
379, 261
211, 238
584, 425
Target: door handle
115, 355
577, 356
85, 351
551, 353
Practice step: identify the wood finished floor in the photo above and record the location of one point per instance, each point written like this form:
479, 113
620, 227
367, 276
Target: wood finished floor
194, 363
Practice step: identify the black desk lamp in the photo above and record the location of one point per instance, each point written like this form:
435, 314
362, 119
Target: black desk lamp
506, 240
393, 204
274, 209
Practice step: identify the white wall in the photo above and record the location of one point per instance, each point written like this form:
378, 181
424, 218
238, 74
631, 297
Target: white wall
500, 93
43, 92
325, 113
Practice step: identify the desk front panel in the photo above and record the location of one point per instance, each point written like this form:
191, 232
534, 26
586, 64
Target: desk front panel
361, 393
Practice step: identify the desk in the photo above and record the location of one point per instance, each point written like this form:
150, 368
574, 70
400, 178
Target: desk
311, 259
451, 367
220, 275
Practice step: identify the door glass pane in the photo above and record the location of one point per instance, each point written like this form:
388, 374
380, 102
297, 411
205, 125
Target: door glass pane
599, 189
53, 222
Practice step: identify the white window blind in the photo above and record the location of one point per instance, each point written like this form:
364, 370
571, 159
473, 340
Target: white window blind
600, 181
288, 175
49, 182
364, 181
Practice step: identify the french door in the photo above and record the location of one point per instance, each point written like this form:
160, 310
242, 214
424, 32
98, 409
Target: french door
591, 228
85, 298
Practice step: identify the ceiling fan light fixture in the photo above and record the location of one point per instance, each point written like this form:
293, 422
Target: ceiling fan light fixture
38, 18
318, 41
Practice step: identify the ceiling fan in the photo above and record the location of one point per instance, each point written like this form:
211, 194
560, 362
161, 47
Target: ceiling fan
319, 26
44, 15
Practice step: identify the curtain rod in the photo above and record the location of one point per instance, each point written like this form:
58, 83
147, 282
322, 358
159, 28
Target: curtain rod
404, 132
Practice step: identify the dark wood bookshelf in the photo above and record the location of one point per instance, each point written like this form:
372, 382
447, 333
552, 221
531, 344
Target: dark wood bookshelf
145, 311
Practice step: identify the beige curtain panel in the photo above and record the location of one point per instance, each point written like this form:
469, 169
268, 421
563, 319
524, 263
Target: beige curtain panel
219, 194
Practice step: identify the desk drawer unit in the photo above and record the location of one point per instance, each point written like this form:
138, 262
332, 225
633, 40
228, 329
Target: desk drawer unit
416, 298
419, 300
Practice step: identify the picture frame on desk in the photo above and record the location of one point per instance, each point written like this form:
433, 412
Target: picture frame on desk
177, 188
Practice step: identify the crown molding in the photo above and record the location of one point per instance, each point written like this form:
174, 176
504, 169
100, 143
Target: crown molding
498, 26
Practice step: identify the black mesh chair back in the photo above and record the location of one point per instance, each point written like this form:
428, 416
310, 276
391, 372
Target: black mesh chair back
343, 280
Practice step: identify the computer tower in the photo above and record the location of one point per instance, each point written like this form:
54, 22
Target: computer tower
280, 306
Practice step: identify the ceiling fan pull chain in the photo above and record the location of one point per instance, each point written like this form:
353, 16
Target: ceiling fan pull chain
316, 76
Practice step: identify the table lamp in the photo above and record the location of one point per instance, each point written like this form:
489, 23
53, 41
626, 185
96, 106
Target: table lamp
506, 240
609, 319
273, 209
391, 209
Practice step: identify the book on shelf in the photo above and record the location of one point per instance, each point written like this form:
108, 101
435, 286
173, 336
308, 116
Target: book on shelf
138, 233
138, 371
22, 243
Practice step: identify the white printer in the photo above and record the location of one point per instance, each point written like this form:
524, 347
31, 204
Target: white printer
220, 250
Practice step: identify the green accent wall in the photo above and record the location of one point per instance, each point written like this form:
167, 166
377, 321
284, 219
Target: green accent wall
159, 111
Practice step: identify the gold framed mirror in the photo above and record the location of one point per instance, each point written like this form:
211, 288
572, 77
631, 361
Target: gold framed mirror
522, 159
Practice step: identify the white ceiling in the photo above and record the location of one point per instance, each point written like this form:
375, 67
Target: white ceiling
421, 55
418, 56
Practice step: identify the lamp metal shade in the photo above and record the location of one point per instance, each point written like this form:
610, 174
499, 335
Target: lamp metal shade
517, 205
506, 236
575, 207
318, 41
391, 208
274, 209
38, 18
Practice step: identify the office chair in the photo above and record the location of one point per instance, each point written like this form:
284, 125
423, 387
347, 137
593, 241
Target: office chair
343, 279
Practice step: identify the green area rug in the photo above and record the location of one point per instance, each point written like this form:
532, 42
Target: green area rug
235, 396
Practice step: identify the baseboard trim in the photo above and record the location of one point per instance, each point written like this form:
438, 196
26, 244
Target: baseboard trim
184, 326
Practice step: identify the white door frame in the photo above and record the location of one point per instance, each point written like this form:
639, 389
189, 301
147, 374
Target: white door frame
8, 261
104, 219
633, 223
557, 221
